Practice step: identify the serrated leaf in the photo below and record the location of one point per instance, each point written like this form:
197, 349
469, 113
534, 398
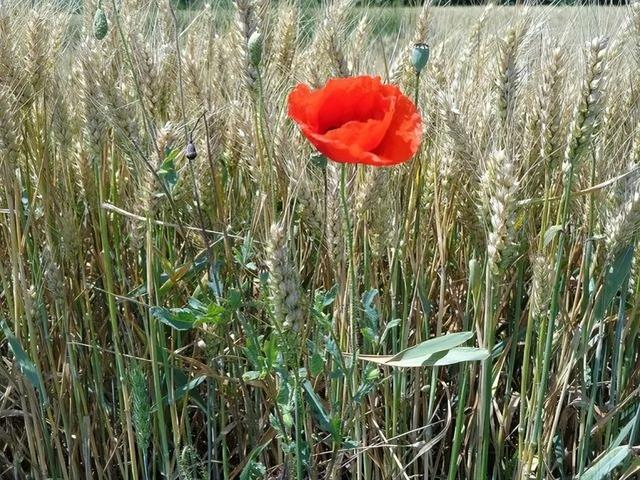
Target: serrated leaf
213, 315
371, 316
368, 297
606, 463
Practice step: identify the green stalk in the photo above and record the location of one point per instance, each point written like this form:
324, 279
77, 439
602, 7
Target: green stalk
462, 393
486, 379
113, 317
353, 320
155, 360
554, 309
616, 368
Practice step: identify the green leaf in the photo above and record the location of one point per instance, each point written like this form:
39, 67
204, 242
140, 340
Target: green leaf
317, 408
252, 375
214, 314
551, 233
254, 470
617, 273
181, 387
234, 300
607, 463
438, 359
168, 172
459, 355
391, 325
316, 364
177, 318
187, 387
423, 351
367, 303
27, 367
330, 296
624, 432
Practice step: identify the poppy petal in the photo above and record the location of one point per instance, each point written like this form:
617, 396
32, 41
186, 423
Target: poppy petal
350, 99
365, 135
403, 135
357, 120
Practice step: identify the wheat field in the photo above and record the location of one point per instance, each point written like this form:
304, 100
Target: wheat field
188, 290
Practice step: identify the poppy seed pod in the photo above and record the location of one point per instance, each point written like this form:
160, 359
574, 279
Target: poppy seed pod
419, 56
100, 25
190, 152
255, 48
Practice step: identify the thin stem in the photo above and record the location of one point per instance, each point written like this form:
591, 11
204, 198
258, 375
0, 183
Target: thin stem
486, 381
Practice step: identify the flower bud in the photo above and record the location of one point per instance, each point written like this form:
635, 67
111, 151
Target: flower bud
190, 151
100, 25
255, 48
419, 56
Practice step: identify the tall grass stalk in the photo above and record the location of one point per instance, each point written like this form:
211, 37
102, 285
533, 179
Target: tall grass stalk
210, 317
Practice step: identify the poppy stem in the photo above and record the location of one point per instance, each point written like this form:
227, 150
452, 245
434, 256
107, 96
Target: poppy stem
351, 267
416, 90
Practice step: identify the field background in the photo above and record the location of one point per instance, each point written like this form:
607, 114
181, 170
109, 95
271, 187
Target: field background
203, 319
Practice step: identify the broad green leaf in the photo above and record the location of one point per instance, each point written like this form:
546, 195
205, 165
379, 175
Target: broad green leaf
617, 274
27, 367
317, 408
197, 305
459, 355
606, 464
427, 349
370, 311
176, 318
447, 357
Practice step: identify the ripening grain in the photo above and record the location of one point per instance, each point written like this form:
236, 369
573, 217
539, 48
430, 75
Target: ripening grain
189, 290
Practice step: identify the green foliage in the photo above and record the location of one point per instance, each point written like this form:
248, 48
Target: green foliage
473, 312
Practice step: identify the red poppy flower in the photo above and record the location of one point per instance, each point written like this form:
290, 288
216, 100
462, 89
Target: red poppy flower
358, 120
